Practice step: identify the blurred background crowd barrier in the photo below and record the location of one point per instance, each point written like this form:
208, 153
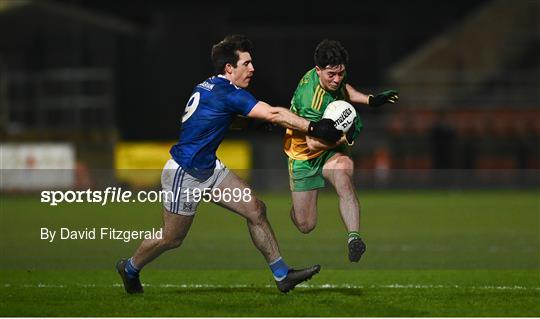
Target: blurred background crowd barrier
98, 88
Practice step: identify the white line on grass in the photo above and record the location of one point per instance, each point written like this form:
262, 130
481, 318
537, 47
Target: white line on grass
309, 286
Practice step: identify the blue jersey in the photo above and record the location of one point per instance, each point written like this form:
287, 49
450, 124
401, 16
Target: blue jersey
208, 114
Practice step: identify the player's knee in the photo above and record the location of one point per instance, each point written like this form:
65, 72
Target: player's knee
171, 242
344, 164
306, 226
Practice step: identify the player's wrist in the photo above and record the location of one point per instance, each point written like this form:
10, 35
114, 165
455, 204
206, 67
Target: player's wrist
372, 101
369, 99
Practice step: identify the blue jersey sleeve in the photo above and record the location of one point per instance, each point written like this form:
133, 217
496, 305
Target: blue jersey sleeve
241, 101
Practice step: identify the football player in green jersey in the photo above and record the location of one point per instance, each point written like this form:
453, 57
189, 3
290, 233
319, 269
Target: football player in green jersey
311, 160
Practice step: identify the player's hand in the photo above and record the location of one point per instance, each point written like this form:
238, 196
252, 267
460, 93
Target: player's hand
324, 130
389, 96
350, 134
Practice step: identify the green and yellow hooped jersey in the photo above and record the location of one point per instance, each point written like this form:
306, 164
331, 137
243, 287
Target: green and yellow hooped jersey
309, 101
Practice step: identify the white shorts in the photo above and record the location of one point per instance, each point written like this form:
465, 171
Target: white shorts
179, 185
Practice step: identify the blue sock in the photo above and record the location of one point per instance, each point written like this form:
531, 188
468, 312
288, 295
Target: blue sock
131, 270
279, 269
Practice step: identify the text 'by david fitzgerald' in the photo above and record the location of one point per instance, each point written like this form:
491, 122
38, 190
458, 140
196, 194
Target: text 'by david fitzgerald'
95, 233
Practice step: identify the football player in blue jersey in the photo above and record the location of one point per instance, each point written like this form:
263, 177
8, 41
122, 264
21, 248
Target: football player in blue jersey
195, 169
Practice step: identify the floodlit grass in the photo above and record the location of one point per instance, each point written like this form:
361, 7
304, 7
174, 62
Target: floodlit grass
470, 253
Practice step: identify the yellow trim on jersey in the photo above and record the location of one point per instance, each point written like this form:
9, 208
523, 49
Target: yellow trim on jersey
317, 98
295, 146
314, 98
321, 99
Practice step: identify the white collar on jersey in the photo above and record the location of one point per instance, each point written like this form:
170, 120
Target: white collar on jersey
223, 77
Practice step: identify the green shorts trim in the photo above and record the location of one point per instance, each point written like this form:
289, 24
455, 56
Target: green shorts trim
306, 175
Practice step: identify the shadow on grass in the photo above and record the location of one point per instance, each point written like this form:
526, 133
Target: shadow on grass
268, 301
343, 291
271, 291
227, 290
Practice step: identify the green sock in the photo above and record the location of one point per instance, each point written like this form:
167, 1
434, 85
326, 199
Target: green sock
352, 235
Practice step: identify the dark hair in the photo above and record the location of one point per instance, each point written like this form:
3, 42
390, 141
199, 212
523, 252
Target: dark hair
226, 51
330, 52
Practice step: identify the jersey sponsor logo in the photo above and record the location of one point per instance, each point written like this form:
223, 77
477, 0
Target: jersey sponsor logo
206, 86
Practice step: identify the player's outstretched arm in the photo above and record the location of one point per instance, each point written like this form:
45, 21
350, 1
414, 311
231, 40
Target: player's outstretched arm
280, 116
355, 96
323, 129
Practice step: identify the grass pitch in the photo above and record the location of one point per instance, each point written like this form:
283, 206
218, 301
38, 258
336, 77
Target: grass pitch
473, 253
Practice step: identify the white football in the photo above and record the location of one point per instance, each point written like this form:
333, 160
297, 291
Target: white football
342, 113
